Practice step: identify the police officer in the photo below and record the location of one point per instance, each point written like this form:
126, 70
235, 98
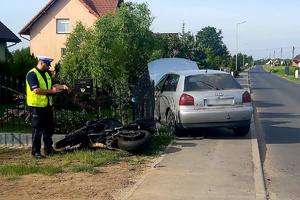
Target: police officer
39, 85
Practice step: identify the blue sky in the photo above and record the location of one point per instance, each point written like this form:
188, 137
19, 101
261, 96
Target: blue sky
270, 27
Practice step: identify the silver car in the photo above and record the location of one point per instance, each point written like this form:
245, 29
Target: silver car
189, 98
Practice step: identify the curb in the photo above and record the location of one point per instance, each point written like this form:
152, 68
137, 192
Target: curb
21, 139
259, 182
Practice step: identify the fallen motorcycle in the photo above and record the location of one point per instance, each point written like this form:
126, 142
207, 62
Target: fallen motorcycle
111, 133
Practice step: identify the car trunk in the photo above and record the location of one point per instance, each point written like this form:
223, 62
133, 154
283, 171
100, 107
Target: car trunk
215, 106
217, 99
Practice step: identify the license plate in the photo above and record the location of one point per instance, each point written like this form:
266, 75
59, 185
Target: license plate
219, 101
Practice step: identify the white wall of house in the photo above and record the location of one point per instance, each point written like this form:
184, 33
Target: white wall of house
44, 40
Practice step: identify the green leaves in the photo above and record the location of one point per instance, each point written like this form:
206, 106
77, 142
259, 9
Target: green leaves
114, 52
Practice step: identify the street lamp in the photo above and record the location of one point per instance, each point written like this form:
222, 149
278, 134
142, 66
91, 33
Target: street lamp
237, 25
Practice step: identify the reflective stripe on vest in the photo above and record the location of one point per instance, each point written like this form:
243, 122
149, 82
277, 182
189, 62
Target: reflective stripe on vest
38, 100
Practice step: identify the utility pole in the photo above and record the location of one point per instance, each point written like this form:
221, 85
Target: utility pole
237, 41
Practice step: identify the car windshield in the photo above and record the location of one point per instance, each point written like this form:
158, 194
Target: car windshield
210, 82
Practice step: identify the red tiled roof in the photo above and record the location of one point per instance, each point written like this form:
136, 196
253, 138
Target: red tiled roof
96, 7
101, 7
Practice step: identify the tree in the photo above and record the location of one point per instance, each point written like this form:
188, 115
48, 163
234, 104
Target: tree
210, 38
187, 44
117, 46
23, 61
206, 48
17, 64
170, 44
114, 52
182, 45
243, 61
76, 62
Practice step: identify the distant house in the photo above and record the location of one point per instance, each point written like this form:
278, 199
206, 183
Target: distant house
296, 61
6, 35
273, 62
50, 28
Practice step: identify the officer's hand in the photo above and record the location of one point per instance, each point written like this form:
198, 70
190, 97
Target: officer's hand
54, 90
65, 87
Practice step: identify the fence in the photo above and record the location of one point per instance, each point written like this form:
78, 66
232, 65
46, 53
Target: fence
12, 105
71, 110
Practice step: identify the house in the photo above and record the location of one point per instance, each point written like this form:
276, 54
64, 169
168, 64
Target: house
273, 62
6, 35
296, 61
50, 28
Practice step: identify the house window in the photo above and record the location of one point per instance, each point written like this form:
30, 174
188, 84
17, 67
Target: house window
63, 52
62, 26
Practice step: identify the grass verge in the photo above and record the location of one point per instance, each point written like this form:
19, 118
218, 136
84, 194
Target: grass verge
17, 162
280, 71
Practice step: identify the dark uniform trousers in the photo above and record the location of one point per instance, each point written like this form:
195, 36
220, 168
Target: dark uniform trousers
42, 123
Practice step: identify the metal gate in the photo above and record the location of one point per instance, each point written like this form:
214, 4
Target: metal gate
143, 97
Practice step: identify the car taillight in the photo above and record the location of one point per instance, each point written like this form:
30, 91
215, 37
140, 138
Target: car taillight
186, 100
246, 97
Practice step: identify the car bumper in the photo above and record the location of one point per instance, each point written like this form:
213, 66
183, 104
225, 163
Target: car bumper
227, 117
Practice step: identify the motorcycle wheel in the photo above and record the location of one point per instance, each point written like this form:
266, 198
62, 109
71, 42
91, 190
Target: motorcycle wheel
141, 142
71, 140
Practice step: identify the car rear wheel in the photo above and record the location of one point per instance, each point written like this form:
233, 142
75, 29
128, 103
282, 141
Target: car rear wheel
242, 131
171, 123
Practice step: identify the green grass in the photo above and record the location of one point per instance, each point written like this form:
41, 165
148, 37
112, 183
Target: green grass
280, 71
14, 171
84, 160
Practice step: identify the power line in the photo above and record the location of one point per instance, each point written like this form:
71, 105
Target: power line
270, 49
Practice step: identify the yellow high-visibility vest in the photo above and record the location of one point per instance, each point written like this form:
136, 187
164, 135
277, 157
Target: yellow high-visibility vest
38, 100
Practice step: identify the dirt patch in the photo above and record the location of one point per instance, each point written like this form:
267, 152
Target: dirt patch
112, 183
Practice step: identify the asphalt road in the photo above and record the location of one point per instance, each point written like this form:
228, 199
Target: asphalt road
277, 120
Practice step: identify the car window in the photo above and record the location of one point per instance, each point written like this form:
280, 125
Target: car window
210, 82
161, 82
171, 83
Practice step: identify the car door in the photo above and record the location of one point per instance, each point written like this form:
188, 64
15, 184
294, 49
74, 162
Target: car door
166, 97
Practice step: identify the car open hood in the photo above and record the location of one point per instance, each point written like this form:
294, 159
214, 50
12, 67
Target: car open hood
160, 67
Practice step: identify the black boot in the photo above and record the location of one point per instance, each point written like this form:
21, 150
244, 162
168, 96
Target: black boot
38, 156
